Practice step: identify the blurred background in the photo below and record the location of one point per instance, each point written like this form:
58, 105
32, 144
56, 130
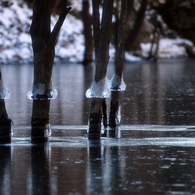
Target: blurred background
155, 29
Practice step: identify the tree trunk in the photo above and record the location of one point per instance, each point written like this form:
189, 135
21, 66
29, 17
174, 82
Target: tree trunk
120, 56
96, 26
130, 4
105, 37
132, 35
43, 43
156, 37
43, 51
40, 121
116, 24
87, 21
101, 42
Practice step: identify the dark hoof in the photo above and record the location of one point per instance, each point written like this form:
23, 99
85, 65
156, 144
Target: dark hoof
5, 140
39, 139
5, 130
94, 132
40, 132
41, 97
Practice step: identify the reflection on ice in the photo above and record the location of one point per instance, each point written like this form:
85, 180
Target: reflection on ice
144, 159
39, 94
117, 83
99, 90
112, 132
4, 92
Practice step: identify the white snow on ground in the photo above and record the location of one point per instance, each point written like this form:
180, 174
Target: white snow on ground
15, 40
70, 44
168, 48
131, 58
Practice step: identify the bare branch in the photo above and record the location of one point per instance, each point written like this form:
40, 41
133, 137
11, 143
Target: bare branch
96, 25
64, 11
121, 39
105, 37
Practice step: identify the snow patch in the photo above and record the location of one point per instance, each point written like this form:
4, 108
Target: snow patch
131, 58
168, 48
15, 39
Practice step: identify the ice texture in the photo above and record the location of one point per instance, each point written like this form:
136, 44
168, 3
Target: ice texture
4, 91
39, 93
99, 89
117, 83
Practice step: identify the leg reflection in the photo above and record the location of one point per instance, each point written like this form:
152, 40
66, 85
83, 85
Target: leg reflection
40, 169
5, 153
105, 169
112, 132
40, 121
95, 170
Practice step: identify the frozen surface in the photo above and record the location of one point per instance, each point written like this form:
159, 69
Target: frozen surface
99, 90
151, 152
161, 93
117, 164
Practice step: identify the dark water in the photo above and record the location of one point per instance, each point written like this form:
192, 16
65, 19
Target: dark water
80, 167
152, 152
161, 93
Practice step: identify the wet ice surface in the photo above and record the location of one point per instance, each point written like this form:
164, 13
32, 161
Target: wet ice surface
151, 152
71, 164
